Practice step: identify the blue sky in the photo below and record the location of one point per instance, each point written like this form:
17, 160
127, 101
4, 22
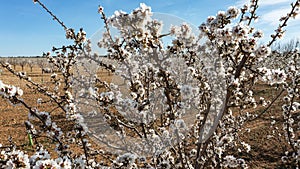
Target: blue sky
27, 30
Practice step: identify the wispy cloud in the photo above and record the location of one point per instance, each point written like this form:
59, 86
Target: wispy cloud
272, 17
270, 11
272, 2
264, 3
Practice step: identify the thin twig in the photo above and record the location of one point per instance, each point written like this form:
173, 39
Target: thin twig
54, 17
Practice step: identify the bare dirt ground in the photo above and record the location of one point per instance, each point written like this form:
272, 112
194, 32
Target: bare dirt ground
12, 117
265, 152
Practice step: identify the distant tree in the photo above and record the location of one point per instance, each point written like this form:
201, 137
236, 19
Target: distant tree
23, 62
13, 62
286, 47
31, 64
41, 63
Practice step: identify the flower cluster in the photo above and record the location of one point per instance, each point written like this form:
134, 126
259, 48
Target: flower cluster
9, 90
273, 76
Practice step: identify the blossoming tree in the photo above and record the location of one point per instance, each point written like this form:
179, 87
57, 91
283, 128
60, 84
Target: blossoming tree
179, 105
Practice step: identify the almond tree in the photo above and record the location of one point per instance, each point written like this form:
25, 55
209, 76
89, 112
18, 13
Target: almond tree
179, 105
31, 63
22, 62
